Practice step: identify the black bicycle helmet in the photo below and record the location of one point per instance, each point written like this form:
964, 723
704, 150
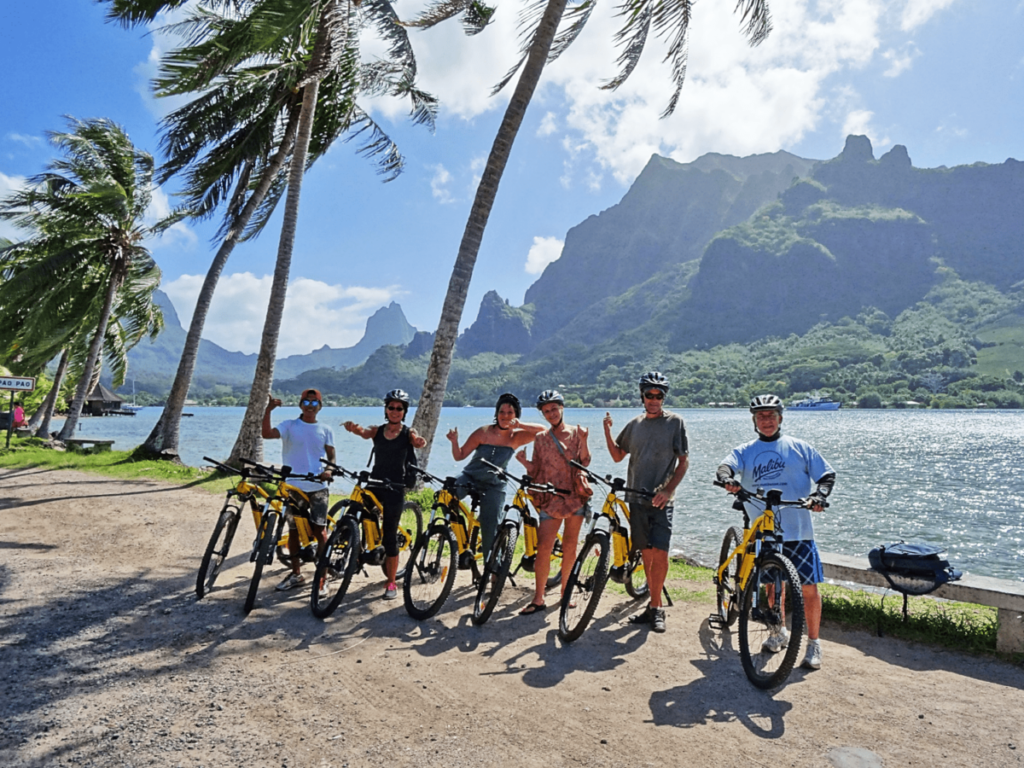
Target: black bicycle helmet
549, 396
653, 380
766, 403
398, 396
512, 400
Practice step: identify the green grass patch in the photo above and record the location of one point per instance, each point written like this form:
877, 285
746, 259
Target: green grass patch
959, 626
29, 452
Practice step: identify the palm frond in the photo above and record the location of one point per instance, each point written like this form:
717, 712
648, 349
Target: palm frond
757, 19
475, 15
529, 23
575, 19
633, 37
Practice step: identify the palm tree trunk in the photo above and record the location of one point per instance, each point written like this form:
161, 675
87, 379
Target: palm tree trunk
429, 407
163, 440
249, 443
85, 382
40, 420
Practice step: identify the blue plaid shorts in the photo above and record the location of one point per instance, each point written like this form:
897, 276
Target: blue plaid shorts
804, 555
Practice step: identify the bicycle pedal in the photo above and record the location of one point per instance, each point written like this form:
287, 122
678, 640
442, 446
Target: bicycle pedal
716, 622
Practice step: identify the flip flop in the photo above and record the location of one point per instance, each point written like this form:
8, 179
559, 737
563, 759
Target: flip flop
533, 608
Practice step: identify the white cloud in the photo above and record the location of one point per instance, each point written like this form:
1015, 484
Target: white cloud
476, 167
900, 61
543, 251
9, 184
548, 124
178, 235
315, 314
29, 141
439, 184
917, 12
858, 122
736, 99
948, 129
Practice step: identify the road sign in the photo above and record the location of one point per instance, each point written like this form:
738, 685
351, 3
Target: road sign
17, 383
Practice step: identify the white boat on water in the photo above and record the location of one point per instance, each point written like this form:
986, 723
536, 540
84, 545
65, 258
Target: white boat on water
816, 403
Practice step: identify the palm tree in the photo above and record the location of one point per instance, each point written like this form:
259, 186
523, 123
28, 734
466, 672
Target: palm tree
240, 133
544, 43
84, 262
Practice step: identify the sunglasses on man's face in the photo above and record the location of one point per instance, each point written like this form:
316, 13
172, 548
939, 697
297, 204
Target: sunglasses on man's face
396, 408
310, 403
654, 395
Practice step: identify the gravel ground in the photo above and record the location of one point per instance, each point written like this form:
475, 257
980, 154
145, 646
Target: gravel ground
108, 659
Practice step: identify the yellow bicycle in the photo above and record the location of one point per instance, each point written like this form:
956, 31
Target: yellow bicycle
604, 554
354, 539
759, 585
451, 542
246, 492
519, 515
286, 500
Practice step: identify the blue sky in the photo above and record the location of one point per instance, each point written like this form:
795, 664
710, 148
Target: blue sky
945, 78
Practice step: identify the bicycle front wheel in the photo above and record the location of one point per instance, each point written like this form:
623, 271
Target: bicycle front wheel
636, 577
495, 573
430, 573
264, 554
334, 569
410, 528
728, 589
583, 590
217, 548
771, 621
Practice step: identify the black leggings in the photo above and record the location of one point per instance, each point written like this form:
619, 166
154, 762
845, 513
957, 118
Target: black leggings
393, 502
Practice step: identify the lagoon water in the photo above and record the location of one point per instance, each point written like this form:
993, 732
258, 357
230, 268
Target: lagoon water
949, 477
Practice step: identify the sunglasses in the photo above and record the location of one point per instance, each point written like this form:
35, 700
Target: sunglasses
396, 407
309, 403
654, 395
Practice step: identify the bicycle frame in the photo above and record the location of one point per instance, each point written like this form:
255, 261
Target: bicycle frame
756, 534
366, 508
460, 517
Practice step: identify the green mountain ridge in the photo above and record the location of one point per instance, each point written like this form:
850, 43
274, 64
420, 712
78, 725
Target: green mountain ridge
875, 280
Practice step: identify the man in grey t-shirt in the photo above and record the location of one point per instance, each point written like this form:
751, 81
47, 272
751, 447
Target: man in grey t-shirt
658, 454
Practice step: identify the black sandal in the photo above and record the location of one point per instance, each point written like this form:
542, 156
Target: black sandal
533, 608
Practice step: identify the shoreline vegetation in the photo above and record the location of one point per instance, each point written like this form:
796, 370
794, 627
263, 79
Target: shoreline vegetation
956, 626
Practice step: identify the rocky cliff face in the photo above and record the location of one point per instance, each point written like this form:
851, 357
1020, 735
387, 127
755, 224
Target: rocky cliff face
858, 232
385, 326
498, 328
665, 219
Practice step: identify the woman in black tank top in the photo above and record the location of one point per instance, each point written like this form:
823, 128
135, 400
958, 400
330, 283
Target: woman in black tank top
393, 444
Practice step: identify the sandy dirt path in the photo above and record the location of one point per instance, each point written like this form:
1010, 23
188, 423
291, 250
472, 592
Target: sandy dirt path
108, 659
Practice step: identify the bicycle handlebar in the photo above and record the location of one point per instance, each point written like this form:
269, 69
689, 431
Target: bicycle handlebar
282, 474
616, 484
259, 473
773, 497
526, 481
362, 478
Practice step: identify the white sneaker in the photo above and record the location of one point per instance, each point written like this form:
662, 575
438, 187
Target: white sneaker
813, 658
776, 641
291, 581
